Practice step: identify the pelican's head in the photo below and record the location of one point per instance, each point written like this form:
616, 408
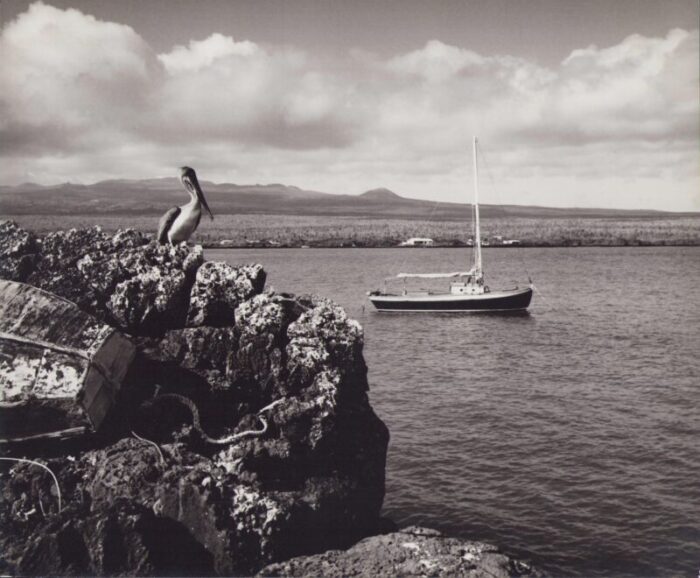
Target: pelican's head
189, 179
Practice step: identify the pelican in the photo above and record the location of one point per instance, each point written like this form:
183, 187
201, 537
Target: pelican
179, 223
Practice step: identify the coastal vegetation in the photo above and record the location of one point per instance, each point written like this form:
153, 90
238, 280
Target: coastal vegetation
248, 230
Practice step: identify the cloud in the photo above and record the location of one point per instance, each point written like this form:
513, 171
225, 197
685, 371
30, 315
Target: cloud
204, 53
642, 88
218, 89
437, 62
101, 103
101, 85
66, 73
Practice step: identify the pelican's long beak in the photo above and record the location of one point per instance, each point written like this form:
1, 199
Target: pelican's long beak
191, 180
200, 196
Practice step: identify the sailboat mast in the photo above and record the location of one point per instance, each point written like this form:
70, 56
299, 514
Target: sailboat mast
477, 228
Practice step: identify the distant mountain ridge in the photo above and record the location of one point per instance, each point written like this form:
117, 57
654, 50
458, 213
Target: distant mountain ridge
155, 196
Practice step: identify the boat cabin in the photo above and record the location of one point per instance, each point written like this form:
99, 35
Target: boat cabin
472, 286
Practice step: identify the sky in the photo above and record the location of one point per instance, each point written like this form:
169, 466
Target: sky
575, 104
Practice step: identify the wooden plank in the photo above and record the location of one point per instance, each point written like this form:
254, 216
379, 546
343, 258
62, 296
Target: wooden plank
19, 365
59, 367
39, 315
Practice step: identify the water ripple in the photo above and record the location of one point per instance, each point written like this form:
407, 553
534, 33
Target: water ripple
568, 436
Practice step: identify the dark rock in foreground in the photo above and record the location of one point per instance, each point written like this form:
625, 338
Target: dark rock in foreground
243, 434
412, 551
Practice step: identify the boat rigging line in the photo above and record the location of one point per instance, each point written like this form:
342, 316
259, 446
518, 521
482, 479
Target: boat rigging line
402, 264
489, 174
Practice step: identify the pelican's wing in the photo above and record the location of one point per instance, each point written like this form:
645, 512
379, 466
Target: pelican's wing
166, 221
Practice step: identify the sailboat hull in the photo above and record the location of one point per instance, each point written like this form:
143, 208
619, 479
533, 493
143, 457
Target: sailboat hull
514, 300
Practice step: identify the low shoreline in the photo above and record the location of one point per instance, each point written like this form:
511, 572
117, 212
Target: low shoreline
463, 246
285, 231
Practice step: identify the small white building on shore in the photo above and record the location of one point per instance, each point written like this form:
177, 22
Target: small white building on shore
417, 242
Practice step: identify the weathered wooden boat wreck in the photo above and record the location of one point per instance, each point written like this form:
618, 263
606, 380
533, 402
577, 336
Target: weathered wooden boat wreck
60, 368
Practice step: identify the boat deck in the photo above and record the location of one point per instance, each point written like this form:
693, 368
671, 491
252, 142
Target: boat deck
508, 300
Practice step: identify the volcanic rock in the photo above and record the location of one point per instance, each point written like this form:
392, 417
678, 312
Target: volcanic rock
218, 289
412, 551
137, 286
17, 251
243, 434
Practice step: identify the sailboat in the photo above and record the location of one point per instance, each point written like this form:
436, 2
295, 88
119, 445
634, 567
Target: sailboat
468, 292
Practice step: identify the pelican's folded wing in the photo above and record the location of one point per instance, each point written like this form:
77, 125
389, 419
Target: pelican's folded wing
166, 221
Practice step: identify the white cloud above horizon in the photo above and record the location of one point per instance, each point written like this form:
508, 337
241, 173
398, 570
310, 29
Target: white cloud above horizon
617, 126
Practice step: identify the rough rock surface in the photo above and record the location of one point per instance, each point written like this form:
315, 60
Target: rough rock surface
218, 289
216, 357
17, 251
412, 551
138, 286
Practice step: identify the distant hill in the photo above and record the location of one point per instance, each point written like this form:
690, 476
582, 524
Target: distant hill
380, 195
155, 196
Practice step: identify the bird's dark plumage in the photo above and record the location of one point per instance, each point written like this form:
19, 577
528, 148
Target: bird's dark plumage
179, 223
165, 223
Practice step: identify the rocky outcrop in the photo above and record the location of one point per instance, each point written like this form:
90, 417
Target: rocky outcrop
243, 435
413, 551
135, 285
218, 289
17, 252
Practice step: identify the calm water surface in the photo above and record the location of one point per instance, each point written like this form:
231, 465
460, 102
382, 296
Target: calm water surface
570, 435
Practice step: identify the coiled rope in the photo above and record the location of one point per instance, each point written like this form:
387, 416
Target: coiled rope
197, 425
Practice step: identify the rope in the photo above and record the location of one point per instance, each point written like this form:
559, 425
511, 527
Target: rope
55, 479
541, 295
196, 423
269, 406
154, 444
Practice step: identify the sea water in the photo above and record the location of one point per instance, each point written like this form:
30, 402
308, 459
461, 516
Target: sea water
569, 436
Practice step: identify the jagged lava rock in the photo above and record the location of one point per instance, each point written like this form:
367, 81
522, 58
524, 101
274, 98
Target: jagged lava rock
140, 287
260, 360
218, 289
313, 478
156, 297
412, 551
203, 351
83, 265
18, 252
122, 539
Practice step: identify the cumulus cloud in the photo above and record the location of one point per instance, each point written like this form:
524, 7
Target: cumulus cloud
437, 62
237, 91
84, 99
203, 53
71, 77
642, 88
101, 85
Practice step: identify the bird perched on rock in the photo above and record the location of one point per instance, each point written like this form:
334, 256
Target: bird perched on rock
179, 223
